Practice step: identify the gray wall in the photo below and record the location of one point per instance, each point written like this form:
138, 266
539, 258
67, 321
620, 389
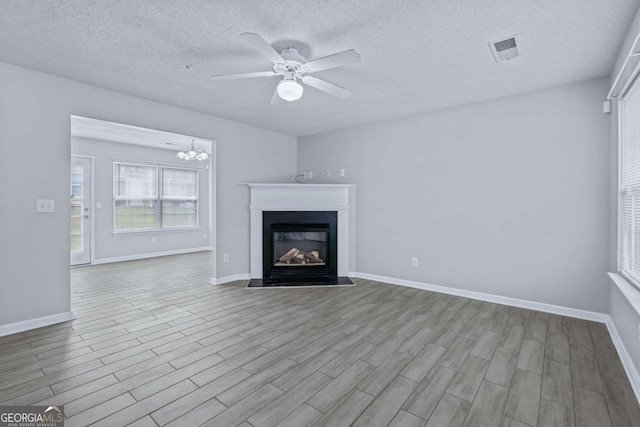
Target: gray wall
505, 197
35, 110
108, 245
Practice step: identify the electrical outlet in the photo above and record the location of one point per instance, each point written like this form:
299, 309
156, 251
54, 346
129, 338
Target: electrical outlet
98, 205
414, 262
328, 173
225, 257
310, 175
342, 172
154, 240
204, 236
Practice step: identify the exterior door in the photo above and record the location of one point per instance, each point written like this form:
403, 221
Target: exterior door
80, 211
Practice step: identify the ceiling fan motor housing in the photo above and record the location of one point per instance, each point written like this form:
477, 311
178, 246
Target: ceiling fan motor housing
293, 65
293, 56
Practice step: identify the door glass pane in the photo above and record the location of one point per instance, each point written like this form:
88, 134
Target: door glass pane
76, 206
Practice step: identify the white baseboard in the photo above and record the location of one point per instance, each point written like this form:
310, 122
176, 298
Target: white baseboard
228, 279
150, 255
498, 299
39, 322
625, 357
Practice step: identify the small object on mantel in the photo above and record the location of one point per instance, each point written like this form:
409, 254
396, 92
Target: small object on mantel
286, 258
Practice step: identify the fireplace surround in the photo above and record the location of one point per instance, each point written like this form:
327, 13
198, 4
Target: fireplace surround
309, 226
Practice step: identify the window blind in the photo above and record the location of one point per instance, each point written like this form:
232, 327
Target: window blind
179, 184
134, 181
629, 259
179, 203
135, 193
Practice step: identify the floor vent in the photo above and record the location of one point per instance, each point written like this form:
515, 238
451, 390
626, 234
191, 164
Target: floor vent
505, 49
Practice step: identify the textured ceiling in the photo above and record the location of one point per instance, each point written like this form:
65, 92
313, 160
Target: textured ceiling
417, 55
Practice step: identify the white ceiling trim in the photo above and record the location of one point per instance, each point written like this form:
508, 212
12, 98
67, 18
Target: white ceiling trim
85, 127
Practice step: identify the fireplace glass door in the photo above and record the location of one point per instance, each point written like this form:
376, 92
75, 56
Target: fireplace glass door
302, 247
299, 246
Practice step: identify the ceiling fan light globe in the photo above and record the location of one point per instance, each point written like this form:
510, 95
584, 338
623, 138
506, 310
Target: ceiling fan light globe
290, 90
182, 155
203, 156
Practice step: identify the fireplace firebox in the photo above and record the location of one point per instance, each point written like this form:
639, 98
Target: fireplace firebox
299, 247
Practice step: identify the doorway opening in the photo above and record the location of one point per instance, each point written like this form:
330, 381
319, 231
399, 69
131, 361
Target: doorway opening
133, 197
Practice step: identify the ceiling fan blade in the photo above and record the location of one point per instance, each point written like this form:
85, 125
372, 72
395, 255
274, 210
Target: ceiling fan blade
244, 75
332, 61
327, 87
275, 99
263, 47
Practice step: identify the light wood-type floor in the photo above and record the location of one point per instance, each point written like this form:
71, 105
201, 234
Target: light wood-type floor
155, 344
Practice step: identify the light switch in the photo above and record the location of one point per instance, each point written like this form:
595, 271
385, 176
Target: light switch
98, 205
45, 205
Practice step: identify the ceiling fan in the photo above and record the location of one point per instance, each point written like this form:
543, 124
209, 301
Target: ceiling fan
293, 67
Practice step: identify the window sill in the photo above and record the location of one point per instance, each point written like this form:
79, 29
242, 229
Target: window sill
630, 292
157, 231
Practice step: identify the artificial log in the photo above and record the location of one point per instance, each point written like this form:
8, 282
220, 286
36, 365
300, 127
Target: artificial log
299, 259
315, 254
311, 257
286, 258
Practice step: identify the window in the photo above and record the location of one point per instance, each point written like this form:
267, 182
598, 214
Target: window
179, 204
143, 202
135, 204
629, 256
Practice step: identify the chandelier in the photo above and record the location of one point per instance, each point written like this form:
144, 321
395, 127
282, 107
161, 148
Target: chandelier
192, 153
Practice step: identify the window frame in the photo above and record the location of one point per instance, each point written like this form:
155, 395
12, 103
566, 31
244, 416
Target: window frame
621, 185
159, 167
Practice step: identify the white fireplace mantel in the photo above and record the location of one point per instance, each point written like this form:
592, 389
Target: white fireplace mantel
301, 197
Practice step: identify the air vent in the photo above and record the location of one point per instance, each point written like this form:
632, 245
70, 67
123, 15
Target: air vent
505, 49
